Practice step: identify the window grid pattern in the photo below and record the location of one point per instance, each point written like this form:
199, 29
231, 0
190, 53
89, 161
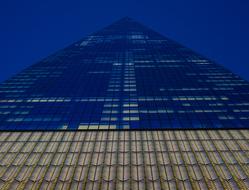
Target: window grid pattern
125, 76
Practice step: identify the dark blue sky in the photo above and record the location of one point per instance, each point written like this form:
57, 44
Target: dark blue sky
33, 29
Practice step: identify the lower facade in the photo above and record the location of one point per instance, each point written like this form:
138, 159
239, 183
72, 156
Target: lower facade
167, 159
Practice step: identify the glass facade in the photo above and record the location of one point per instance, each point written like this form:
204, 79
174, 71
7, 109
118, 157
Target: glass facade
125, 76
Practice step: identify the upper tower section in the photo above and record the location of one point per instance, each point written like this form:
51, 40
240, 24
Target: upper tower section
125, 76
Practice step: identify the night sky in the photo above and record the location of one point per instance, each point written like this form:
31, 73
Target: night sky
33, 29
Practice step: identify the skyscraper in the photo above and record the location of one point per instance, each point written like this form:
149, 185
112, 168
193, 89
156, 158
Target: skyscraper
124, 108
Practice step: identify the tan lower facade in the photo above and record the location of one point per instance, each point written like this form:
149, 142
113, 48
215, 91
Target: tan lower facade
169, 159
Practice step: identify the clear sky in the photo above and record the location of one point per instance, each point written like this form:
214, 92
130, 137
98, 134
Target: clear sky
32, 29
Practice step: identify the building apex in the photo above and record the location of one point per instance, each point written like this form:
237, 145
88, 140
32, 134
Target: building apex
125, 19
